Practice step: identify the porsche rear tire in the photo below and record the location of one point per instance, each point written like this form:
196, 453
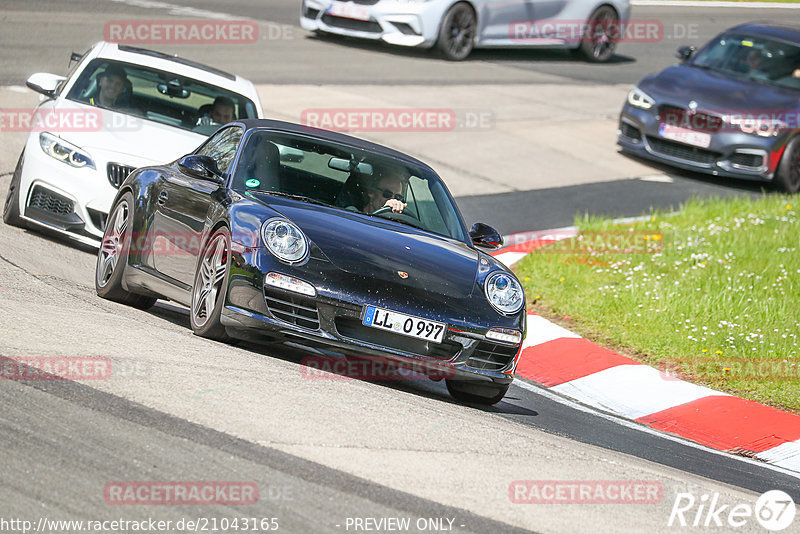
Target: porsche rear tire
210, 287
113, 257
476, 392
11, 214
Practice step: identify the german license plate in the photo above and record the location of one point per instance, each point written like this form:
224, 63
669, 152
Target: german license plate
684, 135
348, 11
399, 323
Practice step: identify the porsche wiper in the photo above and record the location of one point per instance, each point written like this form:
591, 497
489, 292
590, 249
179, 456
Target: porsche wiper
292, 196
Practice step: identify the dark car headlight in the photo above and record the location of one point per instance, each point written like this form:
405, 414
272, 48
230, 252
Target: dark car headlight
761, 126
284, 240
504, 293
57, 148
639, 99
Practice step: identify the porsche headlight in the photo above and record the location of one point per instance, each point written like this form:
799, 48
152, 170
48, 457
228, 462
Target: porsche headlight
639, 99
284, 240
65, 152
504, 293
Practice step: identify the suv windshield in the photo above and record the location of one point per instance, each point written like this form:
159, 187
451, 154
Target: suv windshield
347, 178
755, 58
159, 96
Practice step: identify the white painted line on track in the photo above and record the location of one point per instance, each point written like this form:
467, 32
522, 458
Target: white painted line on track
633, 390
540, 330
785, 455
555, 397
715, 3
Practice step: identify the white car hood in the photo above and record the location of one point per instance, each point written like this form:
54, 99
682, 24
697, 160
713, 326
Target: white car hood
138, 141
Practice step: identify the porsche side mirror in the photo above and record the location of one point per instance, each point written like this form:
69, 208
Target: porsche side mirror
485, 236
203, 167
685, 52
45, 83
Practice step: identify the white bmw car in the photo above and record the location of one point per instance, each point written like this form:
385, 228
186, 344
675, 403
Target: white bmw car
591, 28
118, 108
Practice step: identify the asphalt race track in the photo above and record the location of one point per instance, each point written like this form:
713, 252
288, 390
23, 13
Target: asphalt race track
327, 451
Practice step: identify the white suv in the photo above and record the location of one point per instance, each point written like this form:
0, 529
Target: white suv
119, 108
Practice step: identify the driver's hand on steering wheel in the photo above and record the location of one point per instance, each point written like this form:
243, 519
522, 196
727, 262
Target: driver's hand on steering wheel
397, 205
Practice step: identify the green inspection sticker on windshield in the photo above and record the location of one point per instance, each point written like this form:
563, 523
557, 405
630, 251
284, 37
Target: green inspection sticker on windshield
252, 182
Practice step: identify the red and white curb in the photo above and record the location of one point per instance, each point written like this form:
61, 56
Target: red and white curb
570, 365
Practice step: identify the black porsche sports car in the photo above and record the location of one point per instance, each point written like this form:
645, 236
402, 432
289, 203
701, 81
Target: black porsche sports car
275, 231
730, 109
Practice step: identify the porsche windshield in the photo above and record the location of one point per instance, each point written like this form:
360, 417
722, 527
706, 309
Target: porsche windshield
159, 96
347, 178
756, 58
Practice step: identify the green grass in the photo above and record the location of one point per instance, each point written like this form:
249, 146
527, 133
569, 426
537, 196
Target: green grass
711, 292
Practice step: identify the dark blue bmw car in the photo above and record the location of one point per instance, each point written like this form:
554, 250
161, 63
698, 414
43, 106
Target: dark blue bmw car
275, 231
729, 109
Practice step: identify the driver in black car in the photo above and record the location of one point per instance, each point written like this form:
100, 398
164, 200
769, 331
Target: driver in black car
369, 193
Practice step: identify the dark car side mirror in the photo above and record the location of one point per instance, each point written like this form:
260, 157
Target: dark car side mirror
203, 167
685, 52
485, 236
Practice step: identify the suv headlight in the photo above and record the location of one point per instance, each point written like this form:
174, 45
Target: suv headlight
639, 99
504, 293
65, 152
284, 240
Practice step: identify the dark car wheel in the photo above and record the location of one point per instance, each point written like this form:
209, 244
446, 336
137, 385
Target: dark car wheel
113, 256
210, 284
457, 34
11, 207
787, 177
600, 38
476, 393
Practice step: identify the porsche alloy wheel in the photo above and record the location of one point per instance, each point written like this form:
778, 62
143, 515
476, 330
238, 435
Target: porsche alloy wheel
787, 177
208, 293
113, 256
457, 34
602, 33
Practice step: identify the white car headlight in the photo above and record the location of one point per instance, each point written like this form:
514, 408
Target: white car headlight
639, 99
65, 152
504, 293
284, 240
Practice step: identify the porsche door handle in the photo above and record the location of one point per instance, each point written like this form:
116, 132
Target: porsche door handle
162, 198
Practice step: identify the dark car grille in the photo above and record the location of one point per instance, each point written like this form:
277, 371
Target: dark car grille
353, 329
700, 122
490, 356
310, 12
47, 200
754, 161
117, 173
296, 309
630, 131
681, 151
369, 26
98, 218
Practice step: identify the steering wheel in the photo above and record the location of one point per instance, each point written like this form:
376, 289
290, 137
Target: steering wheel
400, 215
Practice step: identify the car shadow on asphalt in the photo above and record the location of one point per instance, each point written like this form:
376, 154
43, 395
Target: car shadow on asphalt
481, 54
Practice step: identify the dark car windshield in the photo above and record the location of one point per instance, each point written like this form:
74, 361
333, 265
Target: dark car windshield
756, 58
159, 96
347, 178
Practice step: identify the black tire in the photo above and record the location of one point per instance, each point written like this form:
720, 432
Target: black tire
599, 41
11, 214
787, 176
113, 257
210, 286
457, 33
476, 392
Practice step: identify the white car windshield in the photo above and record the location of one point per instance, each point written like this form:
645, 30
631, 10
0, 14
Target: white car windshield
159, 96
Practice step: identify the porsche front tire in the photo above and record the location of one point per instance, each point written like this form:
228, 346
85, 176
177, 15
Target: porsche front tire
210, 286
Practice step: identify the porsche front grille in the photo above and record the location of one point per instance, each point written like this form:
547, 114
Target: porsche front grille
490, 356
117, 173
353, 329
296, 309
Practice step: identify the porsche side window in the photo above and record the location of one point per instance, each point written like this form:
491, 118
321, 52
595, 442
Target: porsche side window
222, 147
